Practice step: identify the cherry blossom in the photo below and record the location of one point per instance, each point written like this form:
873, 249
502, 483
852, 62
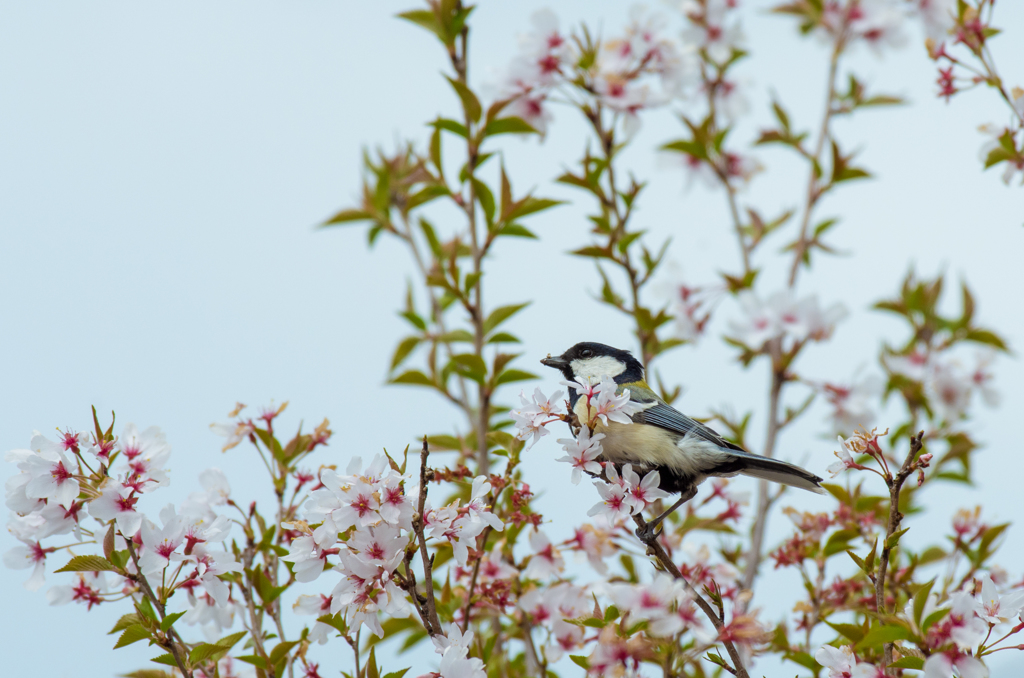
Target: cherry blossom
964, 626
145, 455
646, 491
782, 315
712, 29
845, 458
941, 665
583, 452
841, 663
478, 509
216, 492
532, 417
853, 404
30, 554
654, 602
308, 559
159, 544
235, 432
318, 606
117, 502
51, 474
995, 608
454, 651
617, 501
89, 589
594, 540
546, 561
937, 16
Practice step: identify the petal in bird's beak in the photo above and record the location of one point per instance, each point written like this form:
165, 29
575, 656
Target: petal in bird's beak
558, 362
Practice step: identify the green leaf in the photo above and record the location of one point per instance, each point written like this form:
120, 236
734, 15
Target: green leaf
894, 538
146, 608
396, 674
255, 660
425, 18
347, 217
908, 663
87, 564
530, 205
921, 599
230, 641
502, 338
444, 442
580, 661
169, 620
149, 673
880, 635
471, 366
509, 126
851, 631
166, 659
486, 198
281, 650
405, 347
986, 337
839, 541
132, 634
451, 126
124, 622
934, 618
509, 376
500, 315
517, 230
412, 377
204, 651
469, 101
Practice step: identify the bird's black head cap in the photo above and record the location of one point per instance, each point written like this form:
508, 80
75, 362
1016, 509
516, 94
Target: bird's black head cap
588, 350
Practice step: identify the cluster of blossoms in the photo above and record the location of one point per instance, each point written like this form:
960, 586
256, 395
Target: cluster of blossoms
365, 519
62, 484
617, 73
622, 495
780, 317
948, 385
958, 42
967, 621
455, 659
852, 404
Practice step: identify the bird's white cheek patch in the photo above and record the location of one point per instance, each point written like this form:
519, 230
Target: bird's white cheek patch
595, 368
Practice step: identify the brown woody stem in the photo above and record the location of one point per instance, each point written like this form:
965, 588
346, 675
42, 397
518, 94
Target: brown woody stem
655, 549
895, 517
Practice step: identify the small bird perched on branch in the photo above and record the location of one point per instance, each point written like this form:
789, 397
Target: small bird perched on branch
684, 452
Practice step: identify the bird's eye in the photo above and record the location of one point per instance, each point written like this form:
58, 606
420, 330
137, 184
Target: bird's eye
586, 353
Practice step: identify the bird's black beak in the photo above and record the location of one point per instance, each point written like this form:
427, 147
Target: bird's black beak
558, 362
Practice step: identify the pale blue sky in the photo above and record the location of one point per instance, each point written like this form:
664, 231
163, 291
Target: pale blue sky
162, 166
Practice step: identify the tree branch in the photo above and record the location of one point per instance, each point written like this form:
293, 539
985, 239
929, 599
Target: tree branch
655, 549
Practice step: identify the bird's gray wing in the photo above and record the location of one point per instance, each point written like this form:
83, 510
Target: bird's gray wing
667, 417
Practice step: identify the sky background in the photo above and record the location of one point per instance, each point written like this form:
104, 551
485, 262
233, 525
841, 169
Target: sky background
163, 165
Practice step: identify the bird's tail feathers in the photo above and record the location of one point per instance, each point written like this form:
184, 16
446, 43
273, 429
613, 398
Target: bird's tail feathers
764, 468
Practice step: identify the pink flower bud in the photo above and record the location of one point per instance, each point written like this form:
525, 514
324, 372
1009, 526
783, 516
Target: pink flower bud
920, 478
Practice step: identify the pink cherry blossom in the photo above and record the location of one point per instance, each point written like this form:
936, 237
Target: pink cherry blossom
583, 452
117, 502
546, 561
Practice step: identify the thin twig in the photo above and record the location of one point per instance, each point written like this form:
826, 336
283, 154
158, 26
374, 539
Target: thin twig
433, 623
147, 590
655, 549
895, 517
814, 192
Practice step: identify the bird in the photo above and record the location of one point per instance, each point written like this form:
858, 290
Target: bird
684, 451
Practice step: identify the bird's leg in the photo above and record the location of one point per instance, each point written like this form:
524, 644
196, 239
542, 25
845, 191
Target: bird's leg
648, 533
